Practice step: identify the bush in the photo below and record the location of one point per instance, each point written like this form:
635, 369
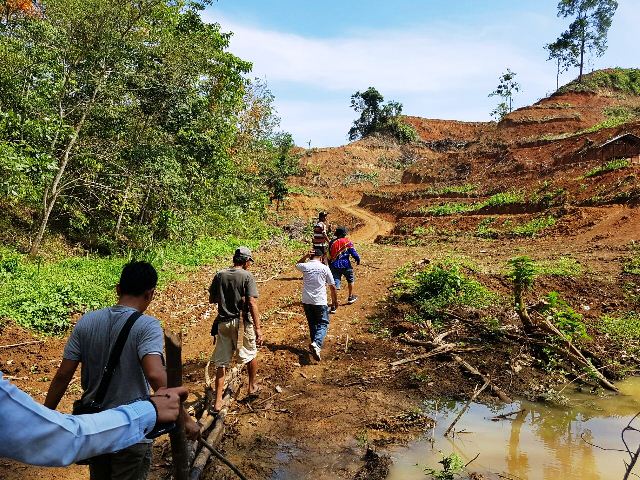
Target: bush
533, 227
441, 286
624, 80
565, 318
621, 327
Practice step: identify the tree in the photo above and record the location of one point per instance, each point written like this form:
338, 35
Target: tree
376, 117
586, 33
565, 52
506, 88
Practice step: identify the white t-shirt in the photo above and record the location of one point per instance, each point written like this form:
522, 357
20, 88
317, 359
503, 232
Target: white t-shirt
315, 278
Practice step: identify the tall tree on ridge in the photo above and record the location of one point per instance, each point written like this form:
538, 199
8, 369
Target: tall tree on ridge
588, 31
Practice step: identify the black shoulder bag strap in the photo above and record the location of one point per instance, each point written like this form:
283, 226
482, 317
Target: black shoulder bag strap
114, 358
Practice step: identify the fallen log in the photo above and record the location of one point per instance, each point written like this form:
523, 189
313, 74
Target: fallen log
213, 438
222, 458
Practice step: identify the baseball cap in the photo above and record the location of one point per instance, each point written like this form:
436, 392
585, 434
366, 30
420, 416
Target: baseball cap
243, 254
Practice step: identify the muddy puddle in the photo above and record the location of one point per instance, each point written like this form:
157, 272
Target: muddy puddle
542, 443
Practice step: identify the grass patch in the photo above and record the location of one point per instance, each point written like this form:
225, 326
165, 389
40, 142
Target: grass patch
533, 227
43, 295
621, 327
615, 164
447, 209
503, 198
452, 208
562, 267
361, 177
623, 80
466, 188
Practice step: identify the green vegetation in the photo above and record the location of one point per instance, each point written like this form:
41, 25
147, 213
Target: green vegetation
623, 327
610, 166
441, 286
466, 188
123, 124
565, 318
452, 208
632, 264
376, 117
361, 177
622, 80
43, 295
533, 227
447, 209
452, 466
561, 267
507, 87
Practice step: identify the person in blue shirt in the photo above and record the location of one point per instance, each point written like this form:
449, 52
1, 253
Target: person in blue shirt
34, 434
340, 251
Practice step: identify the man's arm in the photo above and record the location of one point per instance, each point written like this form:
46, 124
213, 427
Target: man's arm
32, 433
255, 314
60, 383
355, 255
156, 375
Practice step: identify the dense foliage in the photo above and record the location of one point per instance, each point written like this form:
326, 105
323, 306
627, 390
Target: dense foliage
129, 123
378, 117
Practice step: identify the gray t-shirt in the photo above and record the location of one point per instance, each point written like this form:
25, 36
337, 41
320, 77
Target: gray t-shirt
92, 340
229, 289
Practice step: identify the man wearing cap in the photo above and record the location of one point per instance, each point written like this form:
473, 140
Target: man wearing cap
237, 325
320, 233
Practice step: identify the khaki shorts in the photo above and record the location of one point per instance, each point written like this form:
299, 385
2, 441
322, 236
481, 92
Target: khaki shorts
227, 343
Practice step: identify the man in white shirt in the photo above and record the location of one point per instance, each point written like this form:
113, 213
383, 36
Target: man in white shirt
315, 278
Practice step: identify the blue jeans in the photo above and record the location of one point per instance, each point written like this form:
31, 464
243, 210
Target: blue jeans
318, 318
339, 272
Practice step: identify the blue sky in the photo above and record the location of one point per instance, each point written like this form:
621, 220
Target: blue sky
439, 58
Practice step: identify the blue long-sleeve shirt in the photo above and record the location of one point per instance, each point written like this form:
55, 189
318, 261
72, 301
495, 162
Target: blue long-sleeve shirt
34, 434
343, 250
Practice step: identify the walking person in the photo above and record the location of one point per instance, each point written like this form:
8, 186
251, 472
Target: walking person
237, 325
315, 278
321, 233
140, 365
340, 251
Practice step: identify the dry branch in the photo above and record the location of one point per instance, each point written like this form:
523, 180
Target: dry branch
21, 344
466, 406
501, 394
440, 349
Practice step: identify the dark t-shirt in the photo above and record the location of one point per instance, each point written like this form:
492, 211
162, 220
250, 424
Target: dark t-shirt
229, 289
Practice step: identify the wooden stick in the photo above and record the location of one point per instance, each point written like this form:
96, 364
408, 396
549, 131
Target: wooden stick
178, 438
501, 395
505, 415
466, 406
220, 457
444, 348
21, 344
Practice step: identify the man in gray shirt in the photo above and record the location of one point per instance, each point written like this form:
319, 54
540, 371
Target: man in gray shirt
141, 365
234, 330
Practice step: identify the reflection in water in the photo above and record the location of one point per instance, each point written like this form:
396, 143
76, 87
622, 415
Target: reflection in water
542, 443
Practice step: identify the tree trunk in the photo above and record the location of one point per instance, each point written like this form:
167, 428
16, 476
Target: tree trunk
116, 231
54, 191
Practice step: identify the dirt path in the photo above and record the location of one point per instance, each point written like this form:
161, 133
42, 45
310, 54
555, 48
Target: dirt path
372, 225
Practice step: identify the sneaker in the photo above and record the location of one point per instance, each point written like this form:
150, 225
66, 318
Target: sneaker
352, 299
315, 350
333, 310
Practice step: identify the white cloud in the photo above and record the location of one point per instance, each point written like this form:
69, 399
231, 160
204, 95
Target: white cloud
442, 70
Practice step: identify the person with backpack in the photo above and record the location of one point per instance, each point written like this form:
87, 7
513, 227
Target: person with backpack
320, 233
139, 364
340, 251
